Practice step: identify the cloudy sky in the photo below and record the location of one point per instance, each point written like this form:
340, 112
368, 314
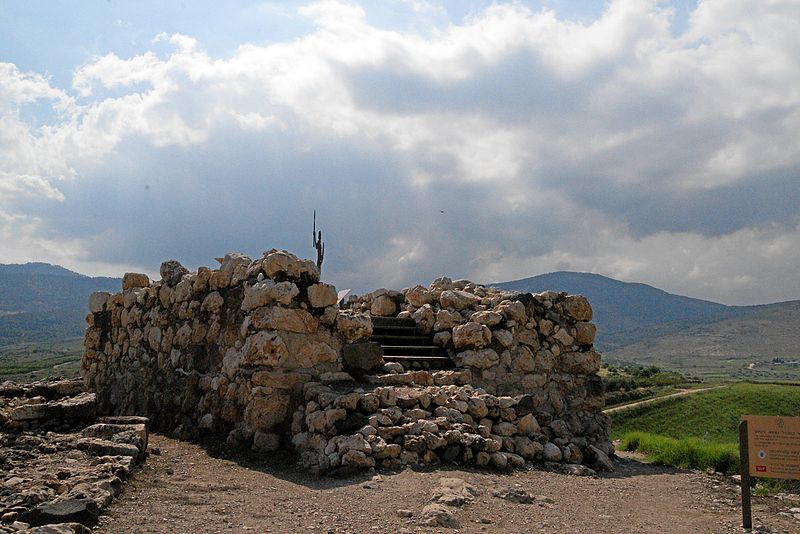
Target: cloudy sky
647, 141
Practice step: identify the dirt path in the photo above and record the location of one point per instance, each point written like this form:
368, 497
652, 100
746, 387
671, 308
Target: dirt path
194, 489
682, 393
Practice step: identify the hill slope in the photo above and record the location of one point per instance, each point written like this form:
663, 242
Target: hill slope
42, 302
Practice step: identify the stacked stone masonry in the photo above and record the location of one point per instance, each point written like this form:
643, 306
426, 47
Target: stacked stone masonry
254, 348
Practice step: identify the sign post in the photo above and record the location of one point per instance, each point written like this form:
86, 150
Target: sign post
744, 470
768, 447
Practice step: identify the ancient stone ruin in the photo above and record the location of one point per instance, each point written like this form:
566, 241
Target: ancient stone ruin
261, 351
61, 464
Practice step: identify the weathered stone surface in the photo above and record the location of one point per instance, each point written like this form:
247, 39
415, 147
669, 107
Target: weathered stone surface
171, 272
365, 357
471, 335
279, 263
134, 280
383, 306
288, 319
446, 319
551, 452
322, 295
418, 296
354, 326
577, 307
267, 292
97, 301
458, 300
515, 495
437, 515
486, 317
585, 333
482, 359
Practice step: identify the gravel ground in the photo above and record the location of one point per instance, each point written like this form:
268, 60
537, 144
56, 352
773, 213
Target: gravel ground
193, 488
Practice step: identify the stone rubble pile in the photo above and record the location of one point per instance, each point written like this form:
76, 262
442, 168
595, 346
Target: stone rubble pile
60, 465
259, 350
391, 427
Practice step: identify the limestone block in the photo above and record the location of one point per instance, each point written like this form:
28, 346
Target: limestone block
522, 359
98, 300
264, 348
283, 263
504, 337
288, 319
577, 307
171, 272
471, 334
424, 317
584, 333
383, 306
266, 292
418, 296
134, 280
264, 412
563, 337
353, 326
212, 303
584, 363
527, 448
486, 317
458, 300
322, 295
528, 425
481, 359
513, 311
445, 320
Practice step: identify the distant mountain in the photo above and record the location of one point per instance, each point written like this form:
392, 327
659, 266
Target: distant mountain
43, 302
643, 324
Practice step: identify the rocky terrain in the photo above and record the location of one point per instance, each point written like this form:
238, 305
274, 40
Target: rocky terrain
61, 465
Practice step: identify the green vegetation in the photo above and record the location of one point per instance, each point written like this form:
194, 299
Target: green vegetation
700, 431
689, 453
626, 383
26, 362
712, 416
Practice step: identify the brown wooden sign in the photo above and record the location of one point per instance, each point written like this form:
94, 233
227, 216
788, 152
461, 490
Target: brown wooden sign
769, 446
773, 445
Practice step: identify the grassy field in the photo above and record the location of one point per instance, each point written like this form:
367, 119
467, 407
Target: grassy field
26, 362
712, 416
700, 431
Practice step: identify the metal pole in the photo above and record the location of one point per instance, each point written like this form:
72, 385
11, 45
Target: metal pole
744, 470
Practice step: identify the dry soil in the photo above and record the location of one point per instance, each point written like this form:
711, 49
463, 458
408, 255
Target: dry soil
207, 487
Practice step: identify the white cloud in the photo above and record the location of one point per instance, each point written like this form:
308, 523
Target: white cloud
610, 146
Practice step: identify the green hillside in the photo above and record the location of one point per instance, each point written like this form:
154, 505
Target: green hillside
44, 303
711, 416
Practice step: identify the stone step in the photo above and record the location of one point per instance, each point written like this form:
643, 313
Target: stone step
395, 330
411, 350
389, 322
400, 340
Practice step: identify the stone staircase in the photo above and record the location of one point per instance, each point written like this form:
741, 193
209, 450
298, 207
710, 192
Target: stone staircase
404, 343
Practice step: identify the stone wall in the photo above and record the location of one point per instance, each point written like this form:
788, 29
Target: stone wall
254, 349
